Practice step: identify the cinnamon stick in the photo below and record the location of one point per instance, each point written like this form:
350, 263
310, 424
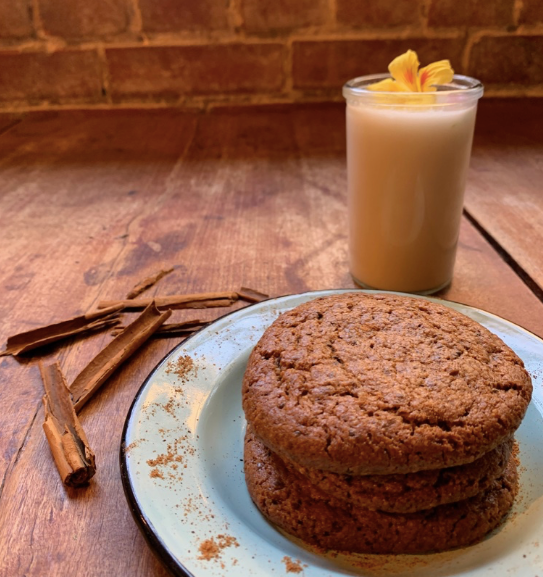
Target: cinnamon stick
148, 282
35, 338
251, 295
69, 446
91, 378
182, 328
172, 329
190, 301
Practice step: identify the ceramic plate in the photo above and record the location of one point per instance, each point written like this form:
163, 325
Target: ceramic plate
182, 469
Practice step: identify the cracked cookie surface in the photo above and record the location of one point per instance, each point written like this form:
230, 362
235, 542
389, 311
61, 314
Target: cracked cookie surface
362, 384
289, 501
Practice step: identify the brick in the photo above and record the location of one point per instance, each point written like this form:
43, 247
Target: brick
531, 12
85, 18
176, 15
327, 65
453, 13
328, 134
58, 77
167, 72
15, 19
382, 14
266, 16
507, 60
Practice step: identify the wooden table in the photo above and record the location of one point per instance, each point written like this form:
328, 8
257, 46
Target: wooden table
92, 202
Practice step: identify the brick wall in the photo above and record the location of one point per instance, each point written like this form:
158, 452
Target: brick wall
56, 53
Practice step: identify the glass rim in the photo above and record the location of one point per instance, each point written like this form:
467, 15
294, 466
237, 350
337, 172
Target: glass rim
468, 87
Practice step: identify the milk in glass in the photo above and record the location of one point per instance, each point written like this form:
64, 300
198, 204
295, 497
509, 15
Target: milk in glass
407, 165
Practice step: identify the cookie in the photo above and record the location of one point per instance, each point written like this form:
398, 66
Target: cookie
290, 502
411, 492
363, 384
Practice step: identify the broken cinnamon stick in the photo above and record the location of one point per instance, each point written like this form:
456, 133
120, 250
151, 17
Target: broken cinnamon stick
182, 328
91, 378
148, 282
252, 296
191, 301
35, 338
172, 329
69, 446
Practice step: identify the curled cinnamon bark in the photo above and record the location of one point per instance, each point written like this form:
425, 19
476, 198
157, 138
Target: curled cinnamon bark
148, 282
91, 378
35, 338
251, 295
71, 451
190, 301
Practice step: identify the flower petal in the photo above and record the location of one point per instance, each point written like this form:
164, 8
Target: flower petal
387, 85
435, 73
404, 69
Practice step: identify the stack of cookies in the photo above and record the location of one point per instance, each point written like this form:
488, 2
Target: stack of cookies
382, 424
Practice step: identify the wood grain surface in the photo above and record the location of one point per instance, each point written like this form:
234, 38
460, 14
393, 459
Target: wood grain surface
93, 202
505, 195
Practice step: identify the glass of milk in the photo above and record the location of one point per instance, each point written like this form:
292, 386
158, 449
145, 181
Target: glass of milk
407, 160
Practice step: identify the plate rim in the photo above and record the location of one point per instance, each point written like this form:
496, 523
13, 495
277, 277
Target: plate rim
159, 549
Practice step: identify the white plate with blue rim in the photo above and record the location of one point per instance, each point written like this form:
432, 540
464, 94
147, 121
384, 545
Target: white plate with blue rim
182, 467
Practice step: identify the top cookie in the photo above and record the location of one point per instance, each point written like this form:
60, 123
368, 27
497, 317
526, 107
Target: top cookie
363, 384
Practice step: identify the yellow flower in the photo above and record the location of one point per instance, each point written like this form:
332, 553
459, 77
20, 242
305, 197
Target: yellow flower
406, 76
